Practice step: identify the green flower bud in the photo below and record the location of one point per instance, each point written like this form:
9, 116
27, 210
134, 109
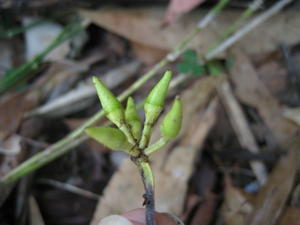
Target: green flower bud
110, 137
112, 108
110, 104
171, 124
154, 104
155, 101
133, 119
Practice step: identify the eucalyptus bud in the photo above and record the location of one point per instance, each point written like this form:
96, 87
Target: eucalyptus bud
155, 101
154, 104
133, 120
169, 127
171, 124
110, 137
112, 108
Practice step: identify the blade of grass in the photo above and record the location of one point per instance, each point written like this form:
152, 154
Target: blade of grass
9, 33
26, 70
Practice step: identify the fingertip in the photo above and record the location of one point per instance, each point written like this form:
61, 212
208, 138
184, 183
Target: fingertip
137, 217
115, 220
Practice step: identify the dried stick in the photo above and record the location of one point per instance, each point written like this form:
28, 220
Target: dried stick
242, 129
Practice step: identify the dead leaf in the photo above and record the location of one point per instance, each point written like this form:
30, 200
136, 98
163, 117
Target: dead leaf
144, 26
292, 114
273, 75
269, 202
251, 91
236, 206
178, 7
170, 169
146, 54
6, 57
35, 213
205, 211
290, 216
12, 111
192, 201
242, 129
9, 161
41, 36
84, 94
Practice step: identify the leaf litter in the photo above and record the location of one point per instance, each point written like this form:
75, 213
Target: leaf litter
235, 161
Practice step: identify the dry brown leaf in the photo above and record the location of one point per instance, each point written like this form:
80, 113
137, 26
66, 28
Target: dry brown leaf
236, 206
170, 169
178, 7
35, 213
144, 26
192, 201
250, 90
205, 212
242, 129
270, 201
292, 114
9, 161
273, 75
290, 216
146, 54
12, 111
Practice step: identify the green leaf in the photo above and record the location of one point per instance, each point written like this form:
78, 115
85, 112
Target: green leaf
190, 55
198, 70
195, 69
184, 67
214, 67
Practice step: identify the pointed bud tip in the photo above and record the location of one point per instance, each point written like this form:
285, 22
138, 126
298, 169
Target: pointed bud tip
171, 124
167, 76
168, 73
130, 101
95, 79
98, 83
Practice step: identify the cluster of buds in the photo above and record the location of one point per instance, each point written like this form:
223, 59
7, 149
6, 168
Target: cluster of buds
130, 136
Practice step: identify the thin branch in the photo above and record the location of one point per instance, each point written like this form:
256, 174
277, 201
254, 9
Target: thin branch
69, 188
248, 27
242, 129
256, 4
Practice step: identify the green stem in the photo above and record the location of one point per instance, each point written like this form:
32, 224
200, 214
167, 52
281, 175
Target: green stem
147, 130
157, 145
66, 144
234, 26
148, 181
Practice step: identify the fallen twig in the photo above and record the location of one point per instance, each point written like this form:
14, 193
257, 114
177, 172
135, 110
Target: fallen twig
242, 129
